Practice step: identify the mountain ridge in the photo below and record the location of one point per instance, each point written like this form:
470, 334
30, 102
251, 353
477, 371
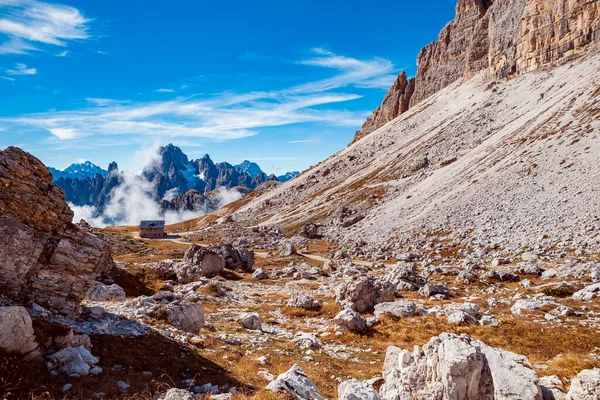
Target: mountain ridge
503, 39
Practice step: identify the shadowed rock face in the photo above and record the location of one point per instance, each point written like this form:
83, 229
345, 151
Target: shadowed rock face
45, 258
503, 37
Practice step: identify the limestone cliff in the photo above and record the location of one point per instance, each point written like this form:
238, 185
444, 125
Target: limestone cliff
45, 257
501, 37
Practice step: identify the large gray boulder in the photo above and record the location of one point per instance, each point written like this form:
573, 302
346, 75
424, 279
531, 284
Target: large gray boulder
363, 294
585, 386
350, 320
72, 361
102, 292
452, 367
399, 309
16, 331
356, 390
186, 316
295, 382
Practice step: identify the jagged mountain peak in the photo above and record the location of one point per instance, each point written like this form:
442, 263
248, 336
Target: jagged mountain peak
250, 167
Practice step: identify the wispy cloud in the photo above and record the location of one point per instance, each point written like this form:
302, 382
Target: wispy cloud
306, 141
164, 90
21, 69
374, 73
224, 116
8, 78
28, 24
62, 53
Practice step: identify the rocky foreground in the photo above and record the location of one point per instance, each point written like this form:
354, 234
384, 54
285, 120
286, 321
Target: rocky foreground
231, 311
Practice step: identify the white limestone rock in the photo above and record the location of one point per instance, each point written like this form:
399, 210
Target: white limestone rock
295, 382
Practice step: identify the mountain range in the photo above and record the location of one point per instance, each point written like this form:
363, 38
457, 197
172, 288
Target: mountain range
78, 170
177, 182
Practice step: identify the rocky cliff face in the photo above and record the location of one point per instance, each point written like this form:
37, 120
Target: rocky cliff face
503, 38
45, 257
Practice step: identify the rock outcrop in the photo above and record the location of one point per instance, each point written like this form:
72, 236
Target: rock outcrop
452, 367
45, 257
502, 37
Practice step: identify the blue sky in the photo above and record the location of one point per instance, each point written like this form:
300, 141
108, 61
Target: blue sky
284, 84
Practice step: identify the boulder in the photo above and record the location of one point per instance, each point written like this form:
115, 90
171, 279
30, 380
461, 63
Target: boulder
235, 258
430, 289
72, 361
251, 321
46, 258
585, 386
405, 277
363, 294
512, 374
186, 316
307, 341
301, 300
16, 331
287, 249
295, 382
398, 308
350, 320
461, 318
102, 292
356, 390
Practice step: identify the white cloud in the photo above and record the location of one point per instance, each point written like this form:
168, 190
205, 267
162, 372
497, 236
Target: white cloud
26, 24
21, 69
8, 78
62, 53
64, 133
306, 141
375, 73
224, 116
163, 90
